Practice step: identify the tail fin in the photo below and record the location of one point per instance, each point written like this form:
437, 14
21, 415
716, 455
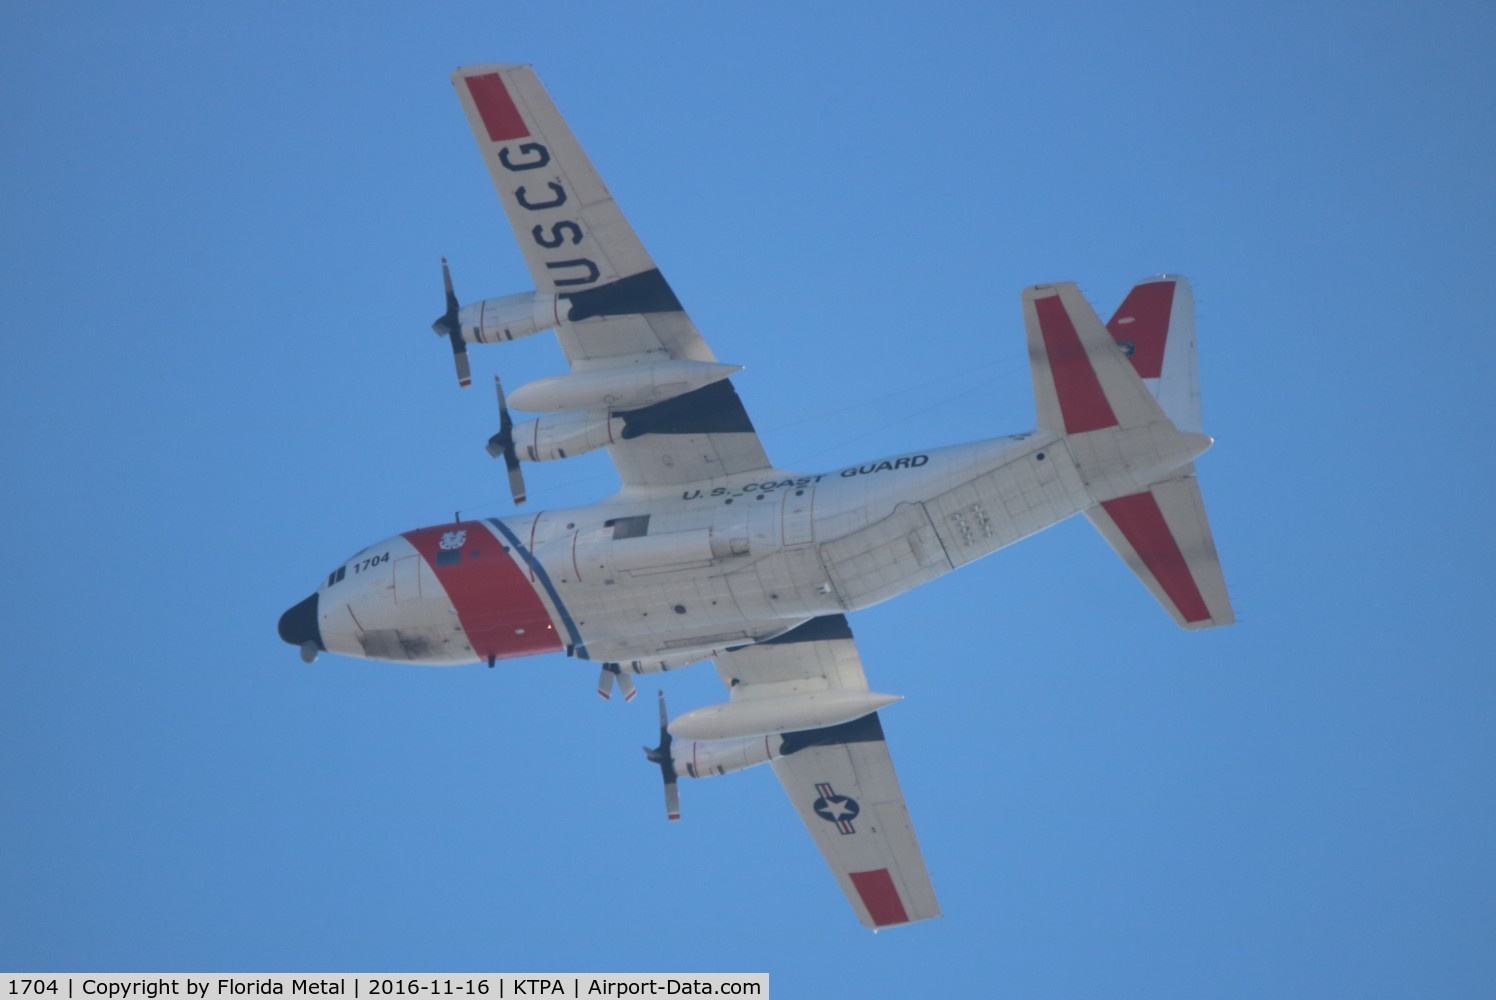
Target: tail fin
1131, 417
1082, 382
1155, 326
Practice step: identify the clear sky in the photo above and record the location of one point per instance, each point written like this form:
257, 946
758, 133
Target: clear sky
222, 226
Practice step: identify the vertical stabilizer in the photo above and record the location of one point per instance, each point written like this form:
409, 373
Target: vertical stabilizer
1155, 327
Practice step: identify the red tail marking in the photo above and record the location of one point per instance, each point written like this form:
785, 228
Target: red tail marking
1082, 403
1142, 524
1143, 321
496, 108
880, 897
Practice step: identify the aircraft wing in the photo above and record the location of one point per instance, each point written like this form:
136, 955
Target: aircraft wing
840, 778
614, 307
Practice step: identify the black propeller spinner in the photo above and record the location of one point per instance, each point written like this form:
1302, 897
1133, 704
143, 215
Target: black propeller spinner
449, 326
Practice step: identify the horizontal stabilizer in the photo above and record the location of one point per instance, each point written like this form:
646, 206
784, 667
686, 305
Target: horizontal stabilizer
1163, 536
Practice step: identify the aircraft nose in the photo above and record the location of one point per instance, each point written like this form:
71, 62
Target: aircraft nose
299, 627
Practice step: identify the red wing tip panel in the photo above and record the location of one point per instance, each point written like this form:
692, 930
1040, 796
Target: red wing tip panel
497, 109
1083, 404
1142, 524
880, 896
1141, 325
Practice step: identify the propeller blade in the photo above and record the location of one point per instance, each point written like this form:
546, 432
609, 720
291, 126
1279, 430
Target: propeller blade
661, 755
612, 672
460, 359
447, 321
448, 325
672, 800
502, 444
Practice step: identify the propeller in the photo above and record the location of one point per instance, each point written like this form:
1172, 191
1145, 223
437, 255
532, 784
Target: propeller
661, 755
611, 672
502, 444
449, 326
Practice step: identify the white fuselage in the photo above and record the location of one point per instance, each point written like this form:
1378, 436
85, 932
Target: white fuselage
655, 579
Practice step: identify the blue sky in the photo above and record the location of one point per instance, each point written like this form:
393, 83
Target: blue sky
222, 229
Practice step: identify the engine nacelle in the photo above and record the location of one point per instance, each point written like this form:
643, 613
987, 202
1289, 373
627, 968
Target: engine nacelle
508, 318
709, 758
621, 387
565, 435
746, 717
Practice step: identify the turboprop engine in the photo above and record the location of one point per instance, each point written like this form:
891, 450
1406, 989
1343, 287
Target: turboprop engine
507, 318
566, 435
679, 756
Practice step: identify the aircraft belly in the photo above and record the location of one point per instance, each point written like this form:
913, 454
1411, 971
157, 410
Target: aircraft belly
728, 602
1023, 496
886, 558
792, 583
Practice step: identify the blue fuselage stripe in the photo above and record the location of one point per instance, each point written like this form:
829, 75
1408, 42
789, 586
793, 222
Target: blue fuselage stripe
545, 581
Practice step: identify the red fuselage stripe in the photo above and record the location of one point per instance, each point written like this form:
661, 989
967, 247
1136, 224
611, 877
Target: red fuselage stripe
1082, 403
1142, 523
496, 108
500, 611
880, 897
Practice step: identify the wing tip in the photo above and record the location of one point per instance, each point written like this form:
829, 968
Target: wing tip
1047, 290
483, 69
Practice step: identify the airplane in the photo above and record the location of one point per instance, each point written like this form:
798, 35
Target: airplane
710, 552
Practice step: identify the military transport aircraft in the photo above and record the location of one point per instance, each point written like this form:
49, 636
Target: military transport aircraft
711, 552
